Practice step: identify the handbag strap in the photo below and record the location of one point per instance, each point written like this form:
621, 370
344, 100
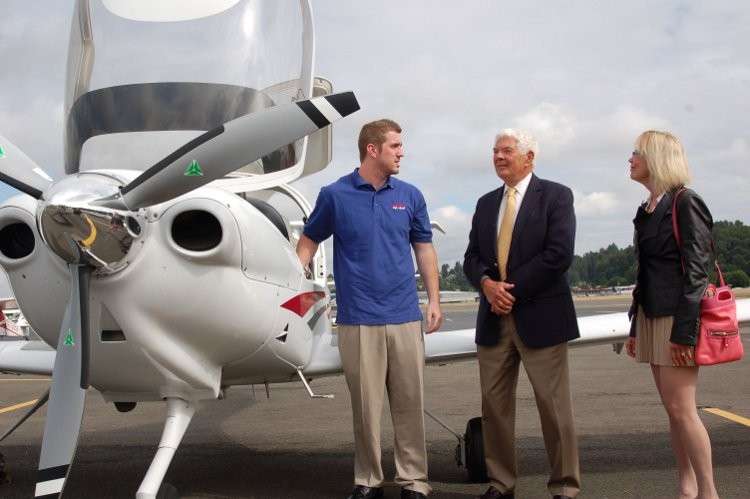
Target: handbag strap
676, 230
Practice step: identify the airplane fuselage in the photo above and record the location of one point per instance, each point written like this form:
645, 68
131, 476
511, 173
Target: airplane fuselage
210, 294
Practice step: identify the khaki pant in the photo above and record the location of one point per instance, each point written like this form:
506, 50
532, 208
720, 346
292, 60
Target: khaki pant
547, 369
389, 357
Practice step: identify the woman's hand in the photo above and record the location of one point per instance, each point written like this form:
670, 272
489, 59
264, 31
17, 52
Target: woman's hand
630, 346
681, 354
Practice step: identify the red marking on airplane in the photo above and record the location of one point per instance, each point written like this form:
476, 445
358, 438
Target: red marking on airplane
300, 304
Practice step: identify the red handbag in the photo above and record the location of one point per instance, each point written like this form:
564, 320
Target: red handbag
719, 335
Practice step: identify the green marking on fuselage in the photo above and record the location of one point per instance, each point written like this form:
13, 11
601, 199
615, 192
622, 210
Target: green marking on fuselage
194, 170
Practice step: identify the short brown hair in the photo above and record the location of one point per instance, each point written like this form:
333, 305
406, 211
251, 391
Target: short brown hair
374, 133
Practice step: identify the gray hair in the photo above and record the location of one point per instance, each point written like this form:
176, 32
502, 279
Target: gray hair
525, 140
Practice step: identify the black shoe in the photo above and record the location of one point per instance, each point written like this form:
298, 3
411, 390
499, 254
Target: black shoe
411, 494
493, 493
561, 497
362, 492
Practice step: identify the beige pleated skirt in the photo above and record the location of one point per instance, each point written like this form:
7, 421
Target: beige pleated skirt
652, 339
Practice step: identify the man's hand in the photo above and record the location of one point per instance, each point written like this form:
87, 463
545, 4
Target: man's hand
434, 317
499, 296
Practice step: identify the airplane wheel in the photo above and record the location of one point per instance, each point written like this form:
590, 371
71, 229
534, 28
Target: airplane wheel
125, 406
5, 478
167, 491
475, 464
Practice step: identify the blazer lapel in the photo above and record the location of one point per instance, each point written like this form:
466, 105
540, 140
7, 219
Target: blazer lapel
529, 204
493, 208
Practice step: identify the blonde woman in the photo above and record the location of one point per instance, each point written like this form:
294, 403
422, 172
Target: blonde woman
666, 301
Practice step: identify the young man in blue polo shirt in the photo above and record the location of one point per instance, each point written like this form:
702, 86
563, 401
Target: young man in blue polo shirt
376, 220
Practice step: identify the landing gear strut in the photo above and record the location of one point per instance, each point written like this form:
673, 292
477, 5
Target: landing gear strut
179, 414
470, 448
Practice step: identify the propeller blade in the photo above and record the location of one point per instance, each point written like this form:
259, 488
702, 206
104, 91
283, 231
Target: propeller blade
68, 390
19, 171
229, 147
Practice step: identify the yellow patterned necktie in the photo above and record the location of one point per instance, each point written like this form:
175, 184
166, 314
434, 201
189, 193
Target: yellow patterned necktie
506, 231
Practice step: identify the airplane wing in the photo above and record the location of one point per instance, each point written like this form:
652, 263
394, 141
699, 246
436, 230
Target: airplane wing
26, 357
451, 346
603, 329
447, 346
36, 357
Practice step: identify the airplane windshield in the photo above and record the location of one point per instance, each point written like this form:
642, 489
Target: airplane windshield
140, 85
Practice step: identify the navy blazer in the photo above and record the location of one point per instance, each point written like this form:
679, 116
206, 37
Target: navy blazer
541, 252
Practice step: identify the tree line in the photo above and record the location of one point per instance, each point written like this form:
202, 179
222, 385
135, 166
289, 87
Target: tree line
613, 266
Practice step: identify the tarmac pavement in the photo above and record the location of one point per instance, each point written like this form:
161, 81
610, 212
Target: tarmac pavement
291, 446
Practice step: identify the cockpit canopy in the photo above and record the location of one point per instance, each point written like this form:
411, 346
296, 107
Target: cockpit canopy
146, 76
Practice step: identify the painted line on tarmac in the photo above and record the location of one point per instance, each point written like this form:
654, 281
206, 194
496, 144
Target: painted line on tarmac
23, 379
17, 406
728, 415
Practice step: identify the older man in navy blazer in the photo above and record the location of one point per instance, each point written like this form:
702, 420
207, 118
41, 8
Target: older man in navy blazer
520, 249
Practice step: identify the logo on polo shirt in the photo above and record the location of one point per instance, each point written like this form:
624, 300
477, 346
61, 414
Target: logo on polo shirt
398, 206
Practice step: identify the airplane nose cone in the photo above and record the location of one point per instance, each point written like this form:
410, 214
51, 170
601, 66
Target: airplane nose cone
77, 233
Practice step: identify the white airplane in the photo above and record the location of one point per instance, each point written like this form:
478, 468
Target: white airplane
185, 122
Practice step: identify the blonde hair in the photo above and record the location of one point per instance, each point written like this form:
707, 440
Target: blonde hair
665, 158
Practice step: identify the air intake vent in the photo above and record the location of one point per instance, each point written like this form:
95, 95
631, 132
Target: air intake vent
196, 230
113, 335
16, 240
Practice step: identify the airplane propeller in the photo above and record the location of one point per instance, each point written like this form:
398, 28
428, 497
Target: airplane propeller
68, 227
68, 391
227, 148
20, 171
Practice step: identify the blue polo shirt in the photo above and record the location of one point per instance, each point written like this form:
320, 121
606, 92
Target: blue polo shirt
372, 255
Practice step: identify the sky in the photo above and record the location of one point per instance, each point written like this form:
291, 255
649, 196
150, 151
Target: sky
585, 76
